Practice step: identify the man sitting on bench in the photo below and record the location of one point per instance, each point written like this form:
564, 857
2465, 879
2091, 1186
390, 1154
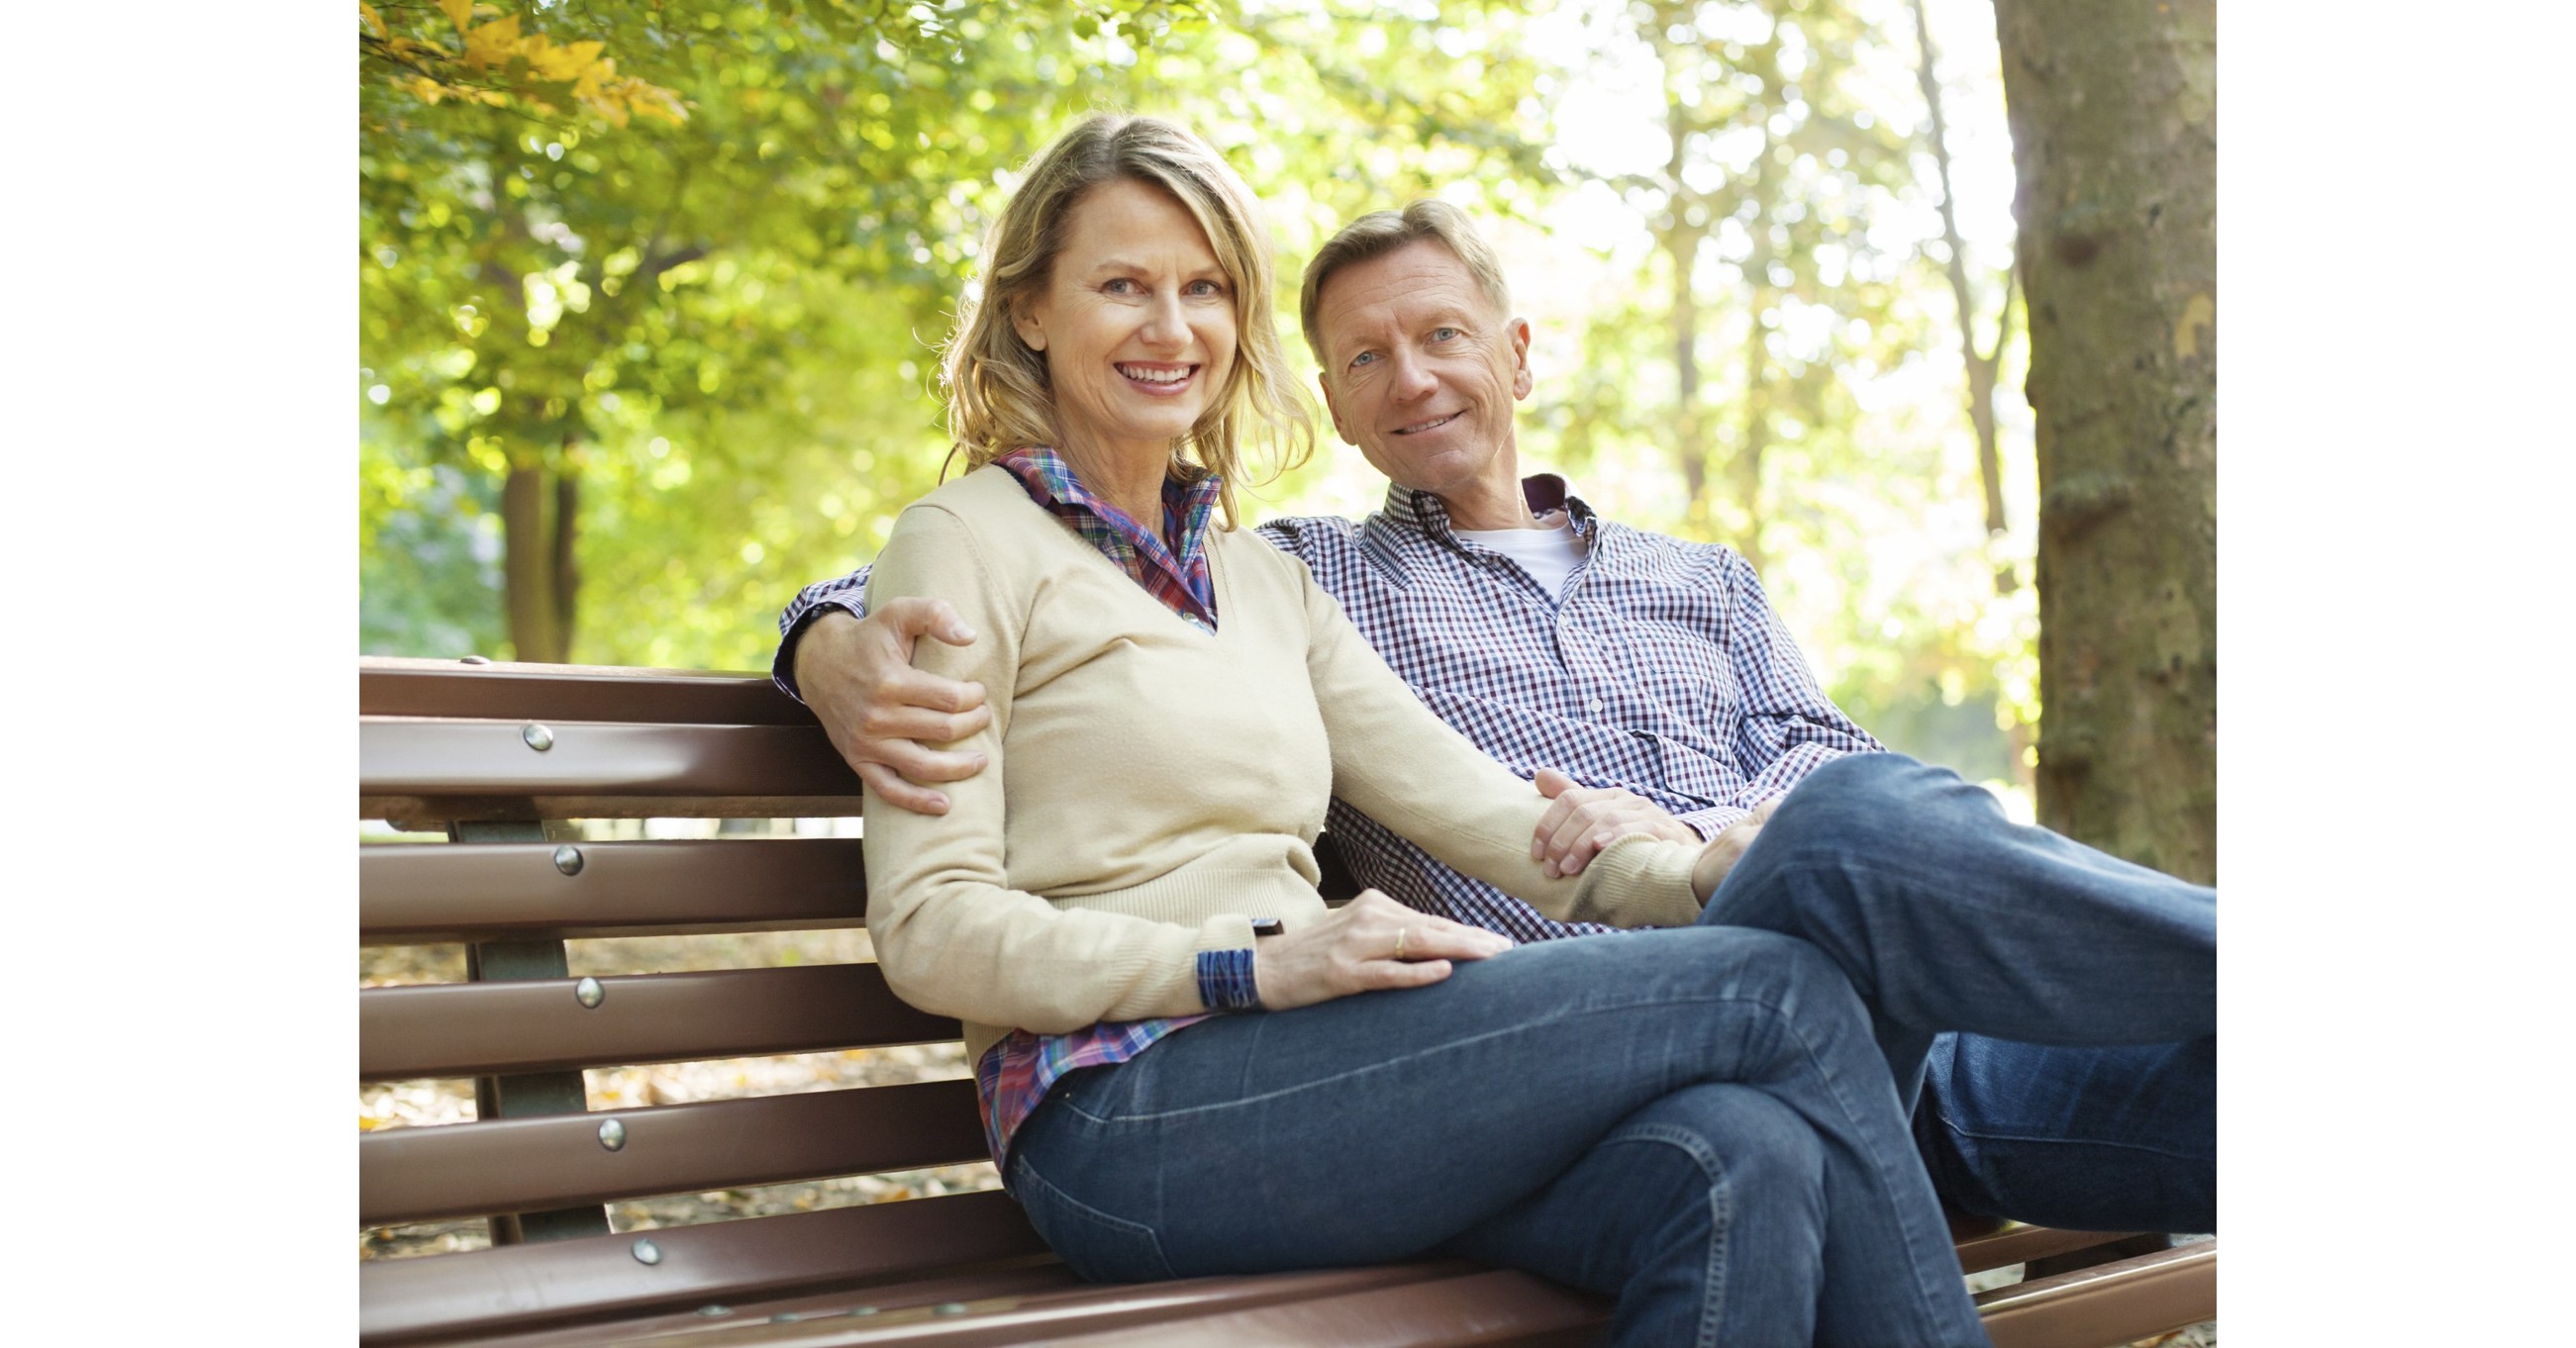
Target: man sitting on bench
1654, 671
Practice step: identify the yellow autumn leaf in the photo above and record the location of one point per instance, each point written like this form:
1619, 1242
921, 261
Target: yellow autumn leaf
593, 78
2197, 313
458, 12
535, 49
374, 21
491, 44
573, 60
655, 101
559, 65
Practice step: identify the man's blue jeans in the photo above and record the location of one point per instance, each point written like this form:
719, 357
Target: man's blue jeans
2089, 1139
1698, 1121
2083, 1091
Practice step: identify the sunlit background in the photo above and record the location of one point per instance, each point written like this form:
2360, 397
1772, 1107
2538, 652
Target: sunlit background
707, 339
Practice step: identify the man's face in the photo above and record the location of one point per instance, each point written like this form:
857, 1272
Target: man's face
1420, 371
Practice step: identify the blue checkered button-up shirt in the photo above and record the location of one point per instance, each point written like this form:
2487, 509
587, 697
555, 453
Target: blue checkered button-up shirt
1660, 668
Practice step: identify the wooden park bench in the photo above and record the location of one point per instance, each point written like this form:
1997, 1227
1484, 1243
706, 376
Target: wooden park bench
498, 756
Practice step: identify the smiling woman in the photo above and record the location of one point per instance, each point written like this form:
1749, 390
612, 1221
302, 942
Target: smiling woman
1137, 326
1112, 270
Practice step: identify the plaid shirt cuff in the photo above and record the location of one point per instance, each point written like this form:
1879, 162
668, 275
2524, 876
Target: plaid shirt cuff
782, 666
1714, 820
1225, 980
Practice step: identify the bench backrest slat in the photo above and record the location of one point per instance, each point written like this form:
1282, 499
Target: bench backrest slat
489, 1029
452, 689
495, 758
419, 894
468, 1170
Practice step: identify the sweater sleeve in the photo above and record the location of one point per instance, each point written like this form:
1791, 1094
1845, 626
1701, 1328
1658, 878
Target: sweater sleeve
1400, 764
951, 934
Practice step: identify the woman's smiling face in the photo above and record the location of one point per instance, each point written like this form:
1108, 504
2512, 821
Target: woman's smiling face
1136, 321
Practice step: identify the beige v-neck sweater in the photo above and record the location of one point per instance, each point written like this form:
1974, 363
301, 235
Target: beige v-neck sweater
1152, 788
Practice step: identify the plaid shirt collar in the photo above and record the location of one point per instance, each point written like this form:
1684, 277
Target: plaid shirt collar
1180, 580
1423, 513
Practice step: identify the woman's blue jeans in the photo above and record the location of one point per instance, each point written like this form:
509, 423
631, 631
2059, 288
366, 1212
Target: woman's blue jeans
1698, 1121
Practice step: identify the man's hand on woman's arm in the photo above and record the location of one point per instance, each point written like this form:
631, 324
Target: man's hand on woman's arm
1580, 821
857, 676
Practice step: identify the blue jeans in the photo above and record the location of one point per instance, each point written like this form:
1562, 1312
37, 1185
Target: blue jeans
2082, 1093
2090, 1139
1698, 1121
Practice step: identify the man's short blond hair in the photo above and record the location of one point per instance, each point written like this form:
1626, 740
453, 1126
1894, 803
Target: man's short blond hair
1379, 233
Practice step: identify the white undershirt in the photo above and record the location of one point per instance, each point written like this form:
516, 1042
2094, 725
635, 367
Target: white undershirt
1549, 552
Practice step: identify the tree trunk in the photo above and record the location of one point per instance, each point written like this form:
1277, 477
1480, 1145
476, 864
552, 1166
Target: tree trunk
1747, 466
537, 561
566, 579
1981, 365
2114, 125
1690, 424
1681, 238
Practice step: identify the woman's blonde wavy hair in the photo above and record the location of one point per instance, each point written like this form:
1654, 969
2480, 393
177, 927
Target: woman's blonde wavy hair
998, 395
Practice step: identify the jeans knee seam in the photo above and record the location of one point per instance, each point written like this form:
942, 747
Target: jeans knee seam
2044, 1140
1721, 1213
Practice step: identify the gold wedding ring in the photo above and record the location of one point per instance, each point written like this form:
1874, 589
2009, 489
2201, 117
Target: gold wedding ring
1399, 942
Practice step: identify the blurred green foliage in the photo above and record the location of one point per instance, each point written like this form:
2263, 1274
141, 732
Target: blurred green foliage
711, 333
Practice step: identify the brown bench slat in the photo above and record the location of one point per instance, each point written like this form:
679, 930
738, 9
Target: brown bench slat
493, 758
594, 1277
2014, 1243
521, 1165
410, 894
431, 812
494, 1029
2107, 1304
1002, 1307
1478, 1307
501, 690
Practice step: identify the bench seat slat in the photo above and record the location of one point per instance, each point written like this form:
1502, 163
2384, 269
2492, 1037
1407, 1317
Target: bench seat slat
2015, 1243
1478, 1307
521, 1165
1012, 1306
492, 758
592, 1277
391, 686
2119, 1302
409, 894
495, 1029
